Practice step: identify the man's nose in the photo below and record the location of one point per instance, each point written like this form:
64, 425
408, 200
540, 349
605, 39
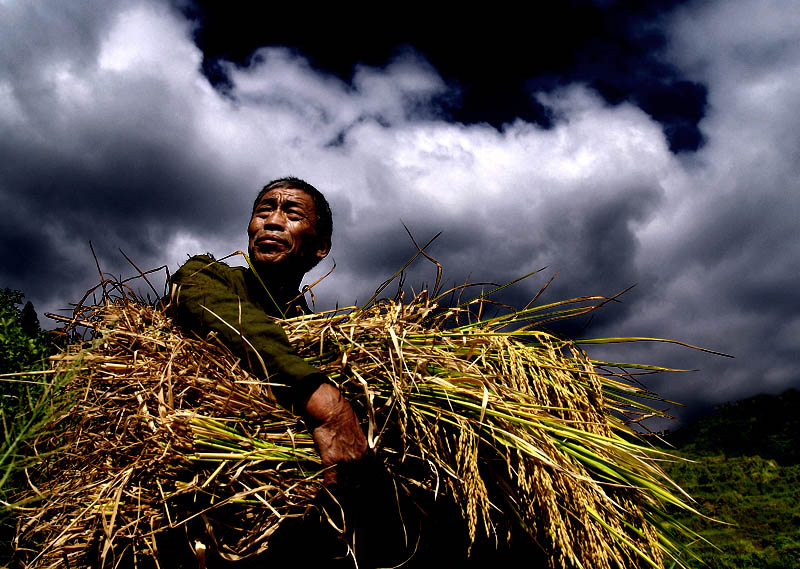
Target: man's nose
275, 219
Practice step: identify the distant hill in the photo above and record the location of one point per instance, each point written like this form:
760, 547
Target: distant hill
744, 471
765, 425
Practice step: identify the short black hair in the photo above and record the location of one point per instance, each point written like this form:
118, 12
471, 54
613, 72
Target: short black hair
324, 221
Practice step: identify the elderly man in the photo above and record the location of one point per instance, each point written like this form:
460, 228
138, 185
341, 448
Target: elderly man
289, 233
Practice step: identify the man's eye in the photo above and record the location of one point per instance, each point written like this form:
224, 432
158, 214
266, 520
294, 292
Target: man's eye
294, 215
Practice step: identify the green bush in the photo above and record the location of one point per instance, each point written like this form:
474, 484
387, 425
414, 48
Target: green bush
758, 502
24, 347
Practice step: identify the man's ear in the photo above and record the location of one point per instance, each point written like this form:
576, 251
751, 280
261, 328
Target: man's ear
323, 248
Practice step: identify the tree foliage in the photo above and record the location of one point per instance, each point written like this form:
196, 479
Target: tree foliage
756, 505
24, 345
745, 473
763, 425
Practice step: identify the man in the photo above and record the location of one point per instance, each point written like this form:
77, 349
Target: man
289, 233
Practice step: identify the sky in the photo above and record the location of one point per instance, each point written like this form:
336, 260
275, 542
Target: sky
611, 143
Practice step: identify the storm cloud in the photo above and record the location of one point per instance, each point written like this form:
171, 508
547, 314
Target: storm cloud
112, 134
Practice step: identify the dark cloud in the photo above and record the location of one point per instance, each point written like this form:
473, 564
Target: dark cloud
559, 151
494, 60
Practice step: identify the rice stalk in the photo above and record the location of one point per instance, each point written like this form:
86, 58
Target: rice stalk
163, 430
167, 431
541, 408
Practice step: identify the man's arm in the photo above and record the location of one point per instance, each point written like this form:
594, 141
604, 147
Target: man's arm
210, 296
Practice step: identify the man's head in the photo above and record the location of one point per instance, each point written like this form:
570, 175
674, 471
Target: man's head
290, 226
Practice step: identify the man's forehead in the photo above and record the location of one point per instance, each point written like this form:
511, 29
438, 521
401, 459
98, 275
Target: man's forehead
287, 195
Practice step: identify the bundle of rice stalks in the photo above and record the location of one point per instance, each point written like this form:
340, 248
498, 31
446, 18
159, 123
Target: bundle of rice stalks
138, 452
164, 431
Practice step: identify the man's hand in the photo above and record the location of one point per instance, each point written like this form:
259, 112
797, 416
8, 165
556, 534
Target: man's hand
335, 429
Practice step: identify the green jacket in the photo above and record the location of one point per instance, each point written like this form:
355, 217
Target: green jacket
209, 296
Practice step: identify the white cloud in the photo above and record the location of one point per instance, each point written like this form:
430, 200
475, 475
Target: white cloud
724, 242
114, 128
145, 40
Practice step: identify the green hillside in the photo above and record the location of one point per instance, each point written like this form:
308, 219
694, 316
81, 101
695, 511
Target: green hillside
765, 425
745, 473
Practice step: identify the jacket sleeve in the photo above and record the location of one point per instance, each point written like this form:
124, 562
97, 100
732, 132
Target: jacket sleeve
206, 297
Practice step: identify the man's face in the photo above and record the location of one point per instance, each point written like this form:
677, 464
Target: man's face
282, 230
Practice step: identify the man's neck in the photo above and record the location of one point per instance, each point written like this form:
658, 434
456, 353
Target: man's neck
282, 283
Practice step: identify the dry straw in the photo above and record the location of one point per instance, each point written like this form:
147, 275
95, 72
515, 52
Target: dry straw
160, 431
